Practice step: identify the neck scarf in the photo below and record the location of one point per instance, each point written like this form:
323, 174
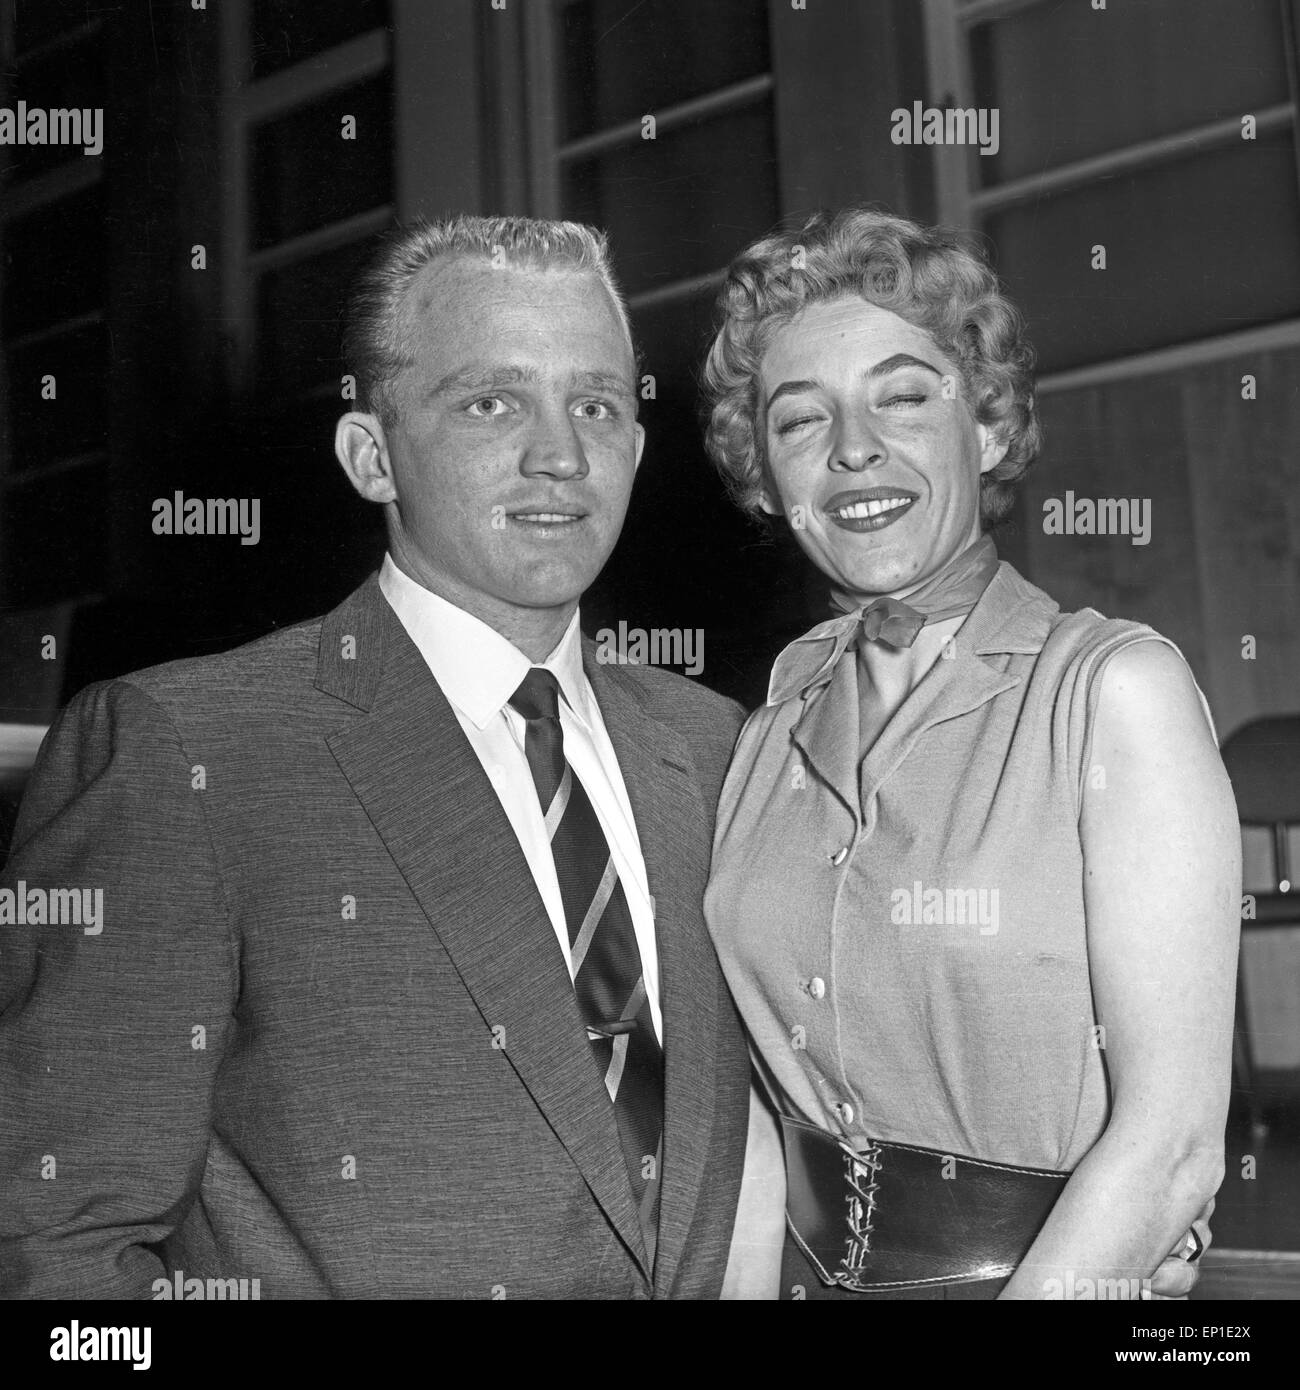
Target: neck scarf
953, 590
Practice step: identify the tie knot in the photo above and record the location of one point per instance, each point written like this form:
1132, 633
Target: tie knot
538, 696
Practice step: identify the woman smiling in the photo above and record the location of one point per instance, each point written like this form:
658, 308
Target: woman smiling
976, 875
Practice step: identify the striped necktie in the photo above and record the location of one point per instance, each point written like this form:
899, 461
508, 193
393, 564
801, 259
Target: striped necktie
607, 975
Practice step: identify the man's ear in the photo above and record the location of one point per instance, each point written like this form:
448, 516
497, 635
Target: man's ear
639, 430
993, 447
362, 449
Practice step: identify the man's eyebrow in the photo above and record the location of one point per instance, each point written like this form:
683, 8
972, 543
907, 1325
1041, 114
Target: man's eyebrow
485, 377
481, 377
613, 382
883, 368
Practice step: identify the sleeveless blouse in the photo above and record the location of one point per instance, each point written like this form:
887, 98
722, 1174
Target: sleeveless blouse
904, 931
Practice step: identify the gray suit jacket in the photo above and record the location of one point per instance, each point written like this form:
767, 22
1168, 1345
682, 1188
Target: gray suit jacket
326, 1038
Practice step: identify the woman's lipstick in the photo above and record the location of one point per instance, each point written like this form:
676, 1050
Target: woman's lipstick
869, 509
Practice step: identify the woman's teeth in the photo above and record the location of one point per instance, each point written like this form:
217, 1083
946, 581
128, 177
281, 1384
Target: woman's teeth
859, 511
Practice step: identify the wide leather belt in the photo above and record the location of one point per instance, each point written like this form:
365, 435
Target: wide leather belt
895, 1216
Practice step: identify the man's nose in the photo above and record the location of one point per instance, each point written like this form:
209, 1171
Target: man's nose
554, 449
857, 445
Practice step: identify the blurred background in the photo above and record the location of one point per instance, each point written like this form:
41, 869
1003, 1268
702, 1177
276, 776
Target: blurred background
183, 289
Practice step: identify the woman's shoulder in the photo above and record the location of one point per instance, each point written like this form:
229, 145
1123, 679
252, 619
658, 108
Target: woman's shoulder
1087, 654
1079, 639
1083, 636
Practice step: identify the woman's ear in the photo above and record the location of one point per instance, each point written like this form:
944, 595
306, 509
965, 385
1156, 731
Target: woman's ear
993, 447
768, 500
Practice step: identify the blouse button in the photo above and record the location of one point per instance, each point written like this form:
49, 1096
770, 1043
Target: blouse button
817, 987
840, 855
845, 1111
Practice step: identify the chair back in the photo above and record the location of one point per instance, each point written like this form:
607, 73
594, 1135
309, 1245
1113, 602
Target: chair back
1263, 762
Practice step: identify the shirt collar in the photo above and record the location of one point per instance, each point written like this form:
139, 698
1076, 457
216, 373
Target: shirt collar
477, 668
1011, 615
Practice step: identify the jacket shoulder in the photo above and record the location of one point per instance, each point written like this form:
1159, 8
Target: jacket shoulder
684, 703
706, 722
240, 679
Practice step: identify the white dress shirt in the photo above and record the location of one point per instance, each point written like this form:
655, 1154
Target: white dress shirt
478, 671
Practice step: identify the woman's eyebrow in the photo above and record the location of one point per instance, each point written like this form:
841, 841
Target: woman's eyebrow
883, 368
900, 359
792, 388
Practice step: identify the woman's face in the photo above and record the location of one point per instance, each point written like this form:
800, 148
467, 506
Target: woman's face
873, 455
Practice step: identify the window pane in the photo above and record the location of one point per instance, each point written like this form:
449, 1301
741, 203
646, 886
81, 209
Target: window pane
1196, 248
676, 493
675, 565
625, 59
306, 175
285, 32
39, 21
300, 310
70, 79
51, 274
682, 204
76, 420
53, 537
326, 538
1120, 76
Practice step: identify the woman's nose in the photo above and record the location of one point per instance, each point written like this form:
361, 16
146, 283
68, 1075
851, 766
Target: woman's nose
856, 447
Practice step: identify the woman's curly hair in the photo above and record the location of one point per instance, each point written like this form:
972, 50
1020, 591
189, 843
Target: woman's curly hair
927, 275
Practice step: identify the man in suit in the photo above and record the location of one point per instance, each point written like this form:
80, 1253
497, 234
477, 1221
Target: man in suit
401, 987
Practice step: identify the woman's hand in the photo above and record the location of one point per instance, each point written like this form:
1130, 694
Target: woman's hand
754, 1265
1178, 1272
1162, 890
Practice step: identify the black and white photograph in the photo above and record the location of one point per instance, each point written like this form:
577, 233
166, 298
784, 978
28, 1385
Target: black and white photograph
650, 651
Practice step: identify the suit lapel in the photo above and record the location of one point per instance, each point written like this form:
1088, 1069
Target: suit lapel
673, 827
425, 791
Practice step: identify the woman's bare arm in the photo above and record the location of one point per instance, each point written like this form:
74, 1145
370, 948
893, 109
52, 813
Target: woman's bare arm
1162, 886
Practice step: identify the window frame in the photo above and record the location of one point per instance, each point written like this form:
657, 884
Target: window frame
548, 154
17, 200
961, 203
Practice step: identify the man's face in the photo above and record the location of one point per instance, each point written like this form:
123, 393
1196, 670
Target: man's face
872, 452
515, 441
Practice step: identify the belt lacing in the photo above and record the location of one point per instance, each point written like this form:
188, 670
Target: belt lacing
861, 1169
